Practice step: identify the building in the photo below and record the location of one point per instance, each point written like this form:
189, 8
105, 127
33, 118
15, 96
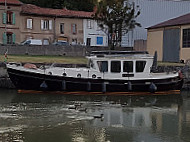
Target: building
171, 39
153, 12
93, 34
52, 24
10, 21
49, 25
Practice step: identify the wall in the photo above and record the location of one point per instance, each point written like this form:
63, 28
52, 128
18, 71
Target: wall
185, 52
140, 45
43, 50
36, 32
155, 42
10, 28
93, 33
52, 50
68, 29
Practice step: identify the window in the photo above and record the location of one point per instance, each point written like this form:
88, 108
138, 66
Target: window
186, 38
74, 28
62, 28
46, 24
115, 66
140, 65
103, 66
9, 38
128, 66
89, 24
9, 18
88, 41
29, 24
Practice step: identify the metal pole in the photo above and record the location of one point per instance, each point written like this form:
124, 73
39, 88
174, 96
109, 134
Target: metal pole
6, 19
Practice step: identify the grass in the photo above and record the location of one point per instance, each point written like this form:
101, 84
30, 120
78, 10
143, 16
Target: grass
44, 59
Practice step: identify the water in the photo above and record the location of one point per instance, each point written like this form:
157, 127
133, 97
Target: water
53, 118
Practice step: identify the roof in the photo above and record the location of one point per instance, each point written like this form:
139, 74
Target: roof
120, 55
33, 9
14, 2
181, 20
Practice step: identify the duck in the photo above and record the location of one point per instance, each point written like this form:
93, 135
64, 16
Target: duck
82, 109
72, 107
99, 116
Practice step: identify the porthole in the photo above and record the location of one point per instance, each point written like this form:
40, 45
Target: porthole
64, 74
79, 75
93, 76
50, 73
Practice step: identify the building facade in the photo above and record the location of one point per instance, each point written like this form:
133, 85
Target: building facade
10, 22
171, 39
153, 12
27, 21
93, 34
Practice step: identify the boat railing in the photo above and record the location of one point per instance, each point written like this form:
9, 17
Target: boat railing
15, 63
117, 52
68, 65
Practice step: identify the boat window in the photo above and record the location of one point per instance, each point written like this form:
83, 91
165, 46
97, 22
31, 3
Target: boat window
140, 65
128, 66
115, 66
103, 66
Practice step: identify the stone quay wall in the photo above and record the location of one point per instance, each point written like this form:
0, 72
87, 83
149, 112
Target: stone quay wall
5, 81
53, 50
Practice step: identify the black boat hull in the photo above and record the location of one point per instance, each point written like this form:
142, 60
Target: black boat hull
40, 82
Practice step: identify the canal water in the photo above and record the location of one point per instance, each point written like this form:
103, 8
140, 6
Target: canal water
72, 118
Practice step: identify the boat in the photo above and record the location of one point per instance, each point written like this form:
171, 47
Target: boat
106, 71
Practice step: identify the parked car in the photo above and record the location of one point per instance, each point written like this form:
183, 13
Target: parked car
63, 43
32, 42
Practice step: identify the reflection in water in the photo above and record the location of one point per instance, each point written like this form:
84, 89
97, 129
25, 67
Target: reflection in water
51, 117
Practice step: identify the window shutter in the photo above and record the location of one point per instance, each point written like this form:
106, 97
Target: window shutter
50, 24
4, 38
31, 24
42, 24
27, 23
13, 18
4, 18
13, 38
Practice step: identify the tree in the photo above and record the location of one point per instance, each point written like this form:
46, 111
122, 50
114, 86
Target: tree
116, 17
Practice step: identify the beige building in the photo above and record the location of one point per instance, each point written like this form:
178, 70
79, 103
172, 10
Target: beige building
10, 21
171, 39
33, 22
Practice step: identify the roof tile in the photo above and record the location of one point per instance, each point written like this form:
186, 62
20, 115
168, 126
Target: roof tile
33, 9
15, 2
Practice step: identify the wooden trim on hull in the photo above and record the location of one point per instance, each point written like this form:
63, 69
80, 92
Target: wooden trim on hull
170, 92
